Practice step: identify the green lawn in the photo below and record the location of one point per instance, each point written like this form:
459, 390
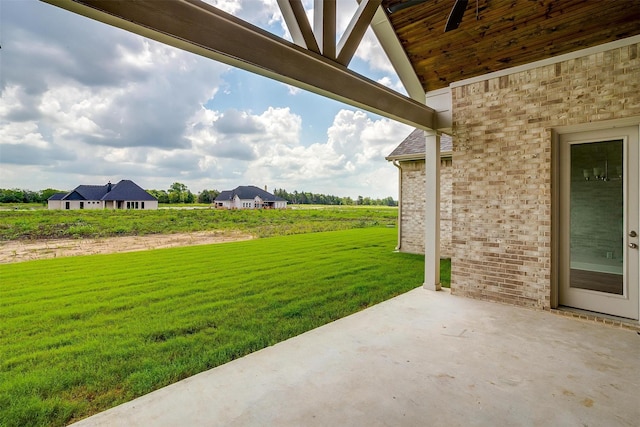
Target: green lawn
82, 334
55, 224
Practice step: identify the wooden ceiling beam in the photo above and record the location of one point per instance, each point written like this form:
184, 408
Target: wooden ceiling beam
200, 28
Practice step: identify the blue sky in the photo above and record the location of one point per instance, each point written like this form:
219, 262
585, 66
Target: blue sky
85, 103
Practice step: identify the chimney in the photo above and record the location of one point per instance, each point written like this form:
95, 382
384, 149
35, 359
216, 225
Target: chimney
108, 186
265, 188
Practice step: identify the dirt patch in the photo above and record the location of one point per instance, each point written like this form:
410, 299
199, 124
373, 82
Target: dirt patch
25, 250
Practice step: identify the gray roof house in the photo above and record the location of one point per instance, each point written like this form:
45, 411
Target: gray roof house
413, 147
249, 197
126, 194
409, 158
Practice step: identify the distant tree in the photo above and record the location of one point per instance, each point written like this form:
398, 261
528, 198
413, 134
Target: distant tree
46, 193
188, 197
161, 195
388, 201
178, 186
207, 196
174, 197
348, 201
11, 195
179, 193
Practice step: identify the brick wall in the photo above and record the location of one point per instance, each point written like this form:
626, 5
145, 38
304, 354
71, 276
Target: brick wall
413, 200
501, 236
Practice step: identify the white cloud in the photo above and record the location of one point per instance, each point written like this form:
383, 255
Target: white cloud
293, 90
22, 133
83, 103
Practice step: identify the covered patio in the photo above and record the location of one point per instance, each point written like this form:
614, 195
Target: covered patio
422, 358
512, 85
516, 84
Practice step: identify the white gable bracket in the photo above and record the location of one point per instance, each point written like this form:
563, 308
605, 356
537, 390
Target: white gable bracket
352, 36
395, 52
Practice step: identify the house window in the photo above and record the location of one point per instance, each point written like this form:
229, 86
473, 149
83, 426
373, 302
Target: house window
66, 205
136, 205
141, 205
81, 205
128, 205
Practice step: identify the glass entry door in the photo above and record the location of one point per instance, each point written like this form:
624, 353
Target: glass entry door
599, 221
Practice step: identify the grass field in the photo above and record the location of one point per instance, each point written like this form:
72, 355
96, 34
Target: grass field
56, 224
82, 334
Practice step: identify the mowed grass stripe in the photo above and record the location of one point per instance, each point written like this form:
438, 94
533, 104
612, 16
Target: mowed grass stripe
82, 334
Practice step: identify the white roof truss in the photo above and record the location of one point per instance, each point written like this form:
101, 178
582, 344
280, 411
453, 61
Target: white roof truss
352, 36
296, 19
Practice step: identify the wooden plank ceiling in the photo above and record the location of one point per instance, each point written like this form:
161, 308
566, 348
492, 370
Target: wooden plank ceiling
499, 34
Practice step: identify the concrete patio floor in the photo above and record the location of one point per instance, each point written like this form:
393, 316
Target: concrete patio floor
421, 359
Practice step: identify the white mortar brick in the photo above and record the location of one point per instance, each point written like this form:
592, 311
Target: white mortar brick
501, 174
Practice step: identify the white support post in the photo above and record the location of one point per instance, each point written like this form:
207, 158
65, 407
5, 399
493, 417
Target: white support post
432, 212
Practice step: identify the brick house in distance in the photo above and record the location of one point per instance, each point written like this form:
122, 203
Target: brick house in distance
126, 194
409, 158
249, 197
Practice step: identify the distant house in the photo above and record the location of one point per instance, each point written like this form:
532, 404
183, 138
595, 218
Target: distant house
126, 194
409, 158
249, 197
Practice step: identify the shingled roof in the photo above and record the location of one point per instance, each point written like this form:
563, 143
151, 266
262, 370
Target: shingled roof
57, 196
127, 190
123, 190
413, 147
246, 192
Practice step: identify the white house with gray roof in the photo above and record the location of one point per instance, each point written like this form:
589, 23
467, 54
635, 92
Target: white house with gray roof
249, 197
126, 194
409, 158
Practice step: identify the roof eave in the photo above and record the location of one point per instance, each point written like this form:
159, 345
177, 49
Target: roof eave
416, 156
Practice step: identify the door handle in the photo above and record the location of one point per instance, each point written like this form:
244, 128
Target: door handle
633, 233
633, 245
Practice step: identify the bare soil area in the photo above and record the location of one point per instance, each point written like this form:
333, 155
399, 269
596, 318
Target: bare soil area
27, 250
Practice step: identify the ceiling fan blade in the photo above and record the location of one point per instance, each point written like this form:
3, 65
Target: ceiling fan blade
455, 17
404, 5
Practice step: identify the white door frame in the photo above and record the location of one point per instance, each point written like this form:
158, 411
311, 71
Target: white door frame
618, 129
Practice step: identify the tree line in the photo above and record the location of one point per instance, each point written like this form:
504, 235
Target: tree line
180, 193
15, 195
307, 198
